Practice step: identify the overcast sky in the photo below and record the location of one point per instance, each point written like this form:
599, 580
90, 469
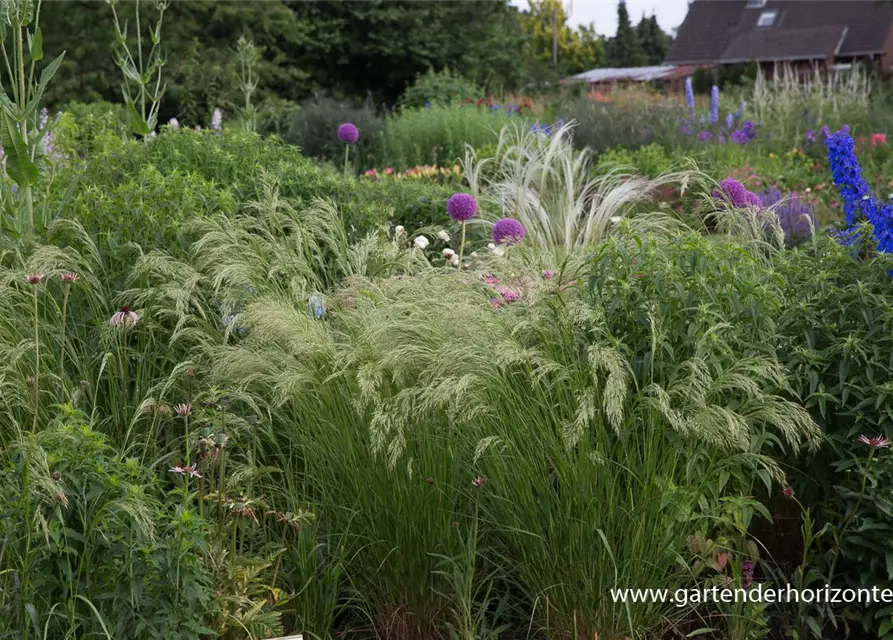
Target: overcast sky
670, 13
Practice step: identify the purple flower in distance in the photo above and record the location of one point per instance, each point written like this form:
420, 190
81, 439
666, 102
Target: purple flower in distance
739, 137
733, 192
753, 200
714, 104
704, 136
462, 206
508, 231
348, 133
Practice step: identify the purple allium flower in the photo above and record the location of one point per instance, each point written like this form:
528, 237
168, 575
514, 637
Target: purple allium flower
714, 104
173, 123
753, 200
462, 206
508, 231
348, 133
125, 317
750, 129
217, 119
733, 192
690, 98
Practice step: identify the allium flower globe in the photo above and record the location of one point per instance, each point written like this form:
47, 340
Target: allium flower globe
508, 231
462, 206
733, 192
348, 133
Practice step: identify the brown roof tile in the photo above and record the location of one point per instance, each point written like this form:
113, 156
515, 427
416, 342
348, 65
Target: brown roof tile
726, 30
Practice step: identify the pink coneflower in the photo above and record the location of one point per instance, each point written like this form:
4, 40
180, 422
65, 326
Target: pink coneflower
495, 303
125, 317
548, 274
183, 409
878, 442
788, 492
34, 278
480, 481
489, 278
68, 277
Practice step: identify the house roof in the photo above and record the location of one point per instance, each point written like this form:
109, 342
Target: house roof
632, 74
726, 31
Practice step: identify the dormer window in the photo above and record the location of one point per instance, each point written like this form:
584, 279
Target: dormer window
767, 19
756, 4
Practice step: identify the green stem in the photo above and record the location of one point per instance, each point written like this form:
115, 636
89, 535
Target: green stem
279, 558
187, 474
64, 318
36, 361
221, 488
346, 153
462, 244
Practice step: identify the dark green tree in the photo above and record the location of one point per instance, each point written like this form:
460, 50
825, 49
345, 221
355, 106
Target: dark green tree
652, 39
624, 49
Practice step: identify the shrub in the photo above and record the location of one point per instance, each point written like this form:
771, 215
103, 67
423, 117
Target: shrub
438, 135
313, 128
441, 88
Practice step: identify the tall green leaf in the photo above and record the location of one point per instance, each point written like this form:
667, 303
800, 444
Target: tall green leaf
18, 164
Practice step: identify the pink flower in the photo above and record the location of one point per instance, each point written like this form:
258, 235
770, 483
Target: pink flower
878, 139
495, 303
68, 277
509, 295
878, 442
480, 481
548, 274
371, 172
34, 278
191, 470
388, 170
125, 316
183, 409
788, 492
489, 278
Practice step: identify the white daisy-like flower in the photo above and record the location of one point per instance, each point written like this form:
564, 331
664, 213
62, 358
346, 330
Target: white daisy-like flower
491, 246
443, 235
454, 260
421, 242
399, 230
448, 253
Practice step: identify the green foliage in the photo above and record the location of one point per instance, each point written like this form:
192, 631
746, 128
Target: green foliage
627, 49
552, 49
441, 89
314, 129
438, 135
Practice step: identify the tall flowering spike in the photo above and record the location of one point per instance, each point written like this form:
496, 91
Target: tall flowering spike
795, 216
714, 104
462, 206
847, 175
124, 317
217, 119
348, 133
508, 231
733, 192
690, 98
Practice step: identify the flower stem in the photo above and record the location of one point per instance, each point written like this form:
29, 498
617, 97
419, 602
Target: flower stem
346, 152
186, 444
462, 244
64, 318
36, 361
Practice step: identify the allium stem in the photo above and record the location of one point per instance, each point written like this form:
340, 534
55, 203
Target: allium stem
346, 153
462, 244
